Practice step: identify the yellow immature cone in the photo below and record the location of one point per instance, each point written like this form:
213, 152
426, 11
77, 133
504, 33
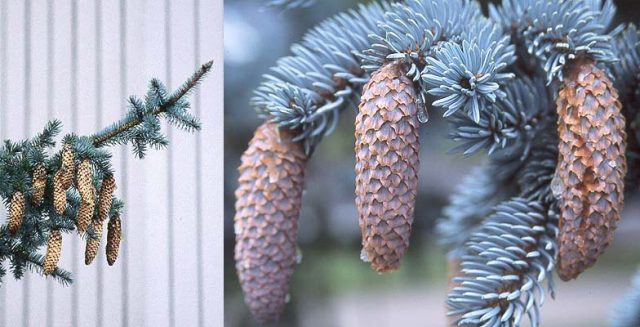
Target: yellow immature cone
85, 214
59, 193
68, 165
106, 197
39, 183
114, 235
93, 243
54, 247
85, 182
16, 212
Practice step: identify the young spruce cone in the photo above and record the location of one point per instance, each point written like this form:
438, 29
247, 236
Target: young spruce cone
591, 166
93, 243
16, 212
114, 235
59, 192
387, 162
39, 183
267, 208
54, 247
106, 197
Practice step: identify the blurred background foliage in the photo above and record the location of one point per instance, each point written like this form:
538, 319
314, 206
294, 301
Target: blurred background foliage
332, 286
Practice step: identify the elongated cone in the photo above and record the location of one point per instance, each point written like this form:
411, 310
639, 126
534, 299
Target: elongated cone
387, 162
16, 212
266, 221
106, 197
39, 183
54, 247
114, 236
591, 167
93, 243
59, 193
85, 181
67, 168
85, 214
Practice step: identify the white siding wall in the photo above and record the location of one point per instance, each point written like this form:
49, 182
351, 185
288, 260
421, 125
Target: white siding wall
78, 61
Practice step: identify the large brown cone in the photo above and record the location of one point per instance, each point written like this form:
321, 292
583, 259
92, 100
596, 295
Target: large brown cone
267, 208
54, 247
387, 162
114, 237
591, 167
106, 197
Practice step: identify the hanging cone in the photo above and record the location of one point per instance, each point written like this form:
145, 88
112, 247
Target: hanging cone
67, 168
266, 222
85, 214
106, 197
93, 243
16, 212
39, 183
114, 236
591, 167
387, 162
54, 247
85, 181
59, 193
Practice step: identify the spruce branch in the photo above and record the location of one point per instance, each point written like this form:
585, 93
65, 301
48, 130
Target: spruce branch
496, 80
157, 104
56, 193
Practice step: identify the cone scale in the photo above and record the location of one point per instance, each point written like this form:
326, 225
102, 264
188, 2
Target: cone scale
589, 180
387, 145
268, 201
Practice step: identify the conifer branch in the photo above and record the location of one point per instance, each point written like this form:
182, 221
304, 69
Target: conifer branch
52, 193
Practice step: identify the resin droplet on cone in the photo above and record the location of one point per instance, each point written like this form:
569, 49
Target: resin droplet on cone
591, 166
387, 162
268, 201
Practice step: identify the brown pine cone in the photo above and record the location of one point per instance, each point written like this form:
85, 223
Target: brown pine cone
54, 247
59, 192
387, 163
268, 203
106, 197
591, 166
39, 183
114, 236
85, 214
16, 212
85, 181
68, 165
93, 243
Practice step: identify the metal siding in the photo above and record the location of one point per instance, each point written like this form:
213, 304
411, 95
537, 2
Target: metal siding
78, 61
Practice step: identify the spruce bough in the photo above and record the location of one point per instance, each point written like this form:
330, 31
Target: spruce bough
546, 89
49, 194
